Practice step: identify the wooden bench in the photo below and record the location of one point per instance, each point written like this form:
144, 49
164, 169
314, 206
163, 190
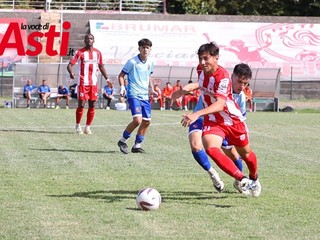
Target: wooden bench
265, 98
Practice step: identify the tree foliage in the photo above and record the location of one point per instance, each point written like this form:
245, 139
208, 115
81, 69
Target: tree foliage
246, 7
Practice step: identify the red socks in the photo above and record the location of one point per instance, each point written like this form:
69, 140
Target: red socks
90, 116
225, 163
79, 114
251, 162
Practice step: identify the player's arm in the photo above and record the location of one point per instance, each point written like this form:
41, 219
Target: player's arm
121, 76
217, 106
103, 72
185, 90
69, 69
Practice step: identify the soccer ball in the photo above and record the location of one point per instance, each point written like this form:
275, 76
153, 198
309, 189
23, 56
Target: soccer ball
148, 199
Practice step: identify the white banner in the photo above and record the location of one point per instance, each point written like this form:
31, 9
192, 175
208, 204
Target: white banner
175, 43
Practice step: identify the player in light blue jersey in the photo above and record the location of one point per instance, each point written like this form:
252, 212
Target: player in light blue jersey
240, 73
138, 70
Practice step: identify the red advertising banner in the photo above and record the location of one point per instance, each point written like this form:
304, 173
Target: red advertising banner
9, 56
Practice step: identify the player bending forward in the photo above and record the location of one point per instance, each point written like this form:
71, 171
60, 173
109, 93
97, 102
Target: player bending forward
222, 118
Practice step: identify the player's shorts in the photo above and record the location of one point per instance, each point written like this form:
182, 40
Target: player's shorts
196, 126
88, 92
237, 134
225, 144
140, 108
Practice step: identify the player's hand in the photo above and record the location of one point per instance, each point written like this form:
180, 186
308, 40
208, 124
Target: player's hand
175, 95
122, 91
72, 75
187, 119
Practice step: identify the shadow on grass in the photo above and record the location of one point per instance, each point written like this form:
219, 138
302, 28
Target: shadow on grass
184, 197
71, 150
35, 131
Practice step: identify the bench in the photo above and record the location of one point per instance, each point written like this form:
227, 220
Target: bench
18, 100
265, 98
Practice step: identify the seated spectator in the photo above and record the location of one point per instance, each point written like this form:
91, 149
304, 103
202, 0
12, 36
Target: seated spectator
108, 93
44, 92
27, 91
156, 96
191, 97
248, 93
63, 93
73, 91
166, 95
178, 101
121, 105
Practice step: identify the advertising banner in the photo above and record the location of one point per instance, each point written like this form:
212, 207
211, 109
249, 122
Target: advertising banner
175, 43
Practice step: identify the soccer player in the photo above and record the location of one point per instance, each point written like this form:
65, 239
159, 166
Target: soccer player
108, 94
195, 141
156, 96
89, 60
44, 92
248, 93
63, 93
241, 73
178, 101
27, 90
166, 95
138, 69
222, 118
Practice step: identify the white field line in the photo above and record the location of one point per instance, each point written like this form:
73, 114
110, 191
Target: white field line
72, 127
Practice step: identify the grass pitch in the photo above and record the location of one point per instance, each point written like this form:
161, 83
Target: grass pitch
55, 184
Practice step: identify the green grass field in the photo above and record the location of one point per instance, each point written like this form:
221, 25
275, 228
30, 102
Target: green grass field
59, 185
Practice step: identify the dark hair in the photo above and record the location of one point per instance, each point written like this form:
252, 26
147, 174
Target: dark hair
87, 36
145, 42
242, 70
212, 48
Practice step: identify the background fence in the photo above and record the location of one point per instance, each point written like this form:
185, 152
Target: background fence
154, 6
56, 74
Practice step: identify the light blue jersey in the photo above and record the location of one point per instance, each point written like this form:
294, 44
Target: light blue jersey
138, 77
199, 105
240, 99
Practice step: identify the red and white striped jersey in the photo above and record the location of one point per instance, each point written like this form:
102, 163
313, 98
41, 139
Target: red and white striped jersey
88, 62
219, 85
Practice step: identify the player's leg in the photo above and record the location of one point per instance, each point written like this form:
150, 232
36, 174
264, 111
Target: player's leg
67, 101
144, 126
212, 139
199, 154
250, 159
80, 109
239, 138
135, 108
232, 153
91, 93
90, 116
27, 95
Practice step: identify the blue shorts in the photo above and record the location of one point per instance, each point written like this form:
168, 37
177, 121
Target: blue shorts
196, 126
140, 108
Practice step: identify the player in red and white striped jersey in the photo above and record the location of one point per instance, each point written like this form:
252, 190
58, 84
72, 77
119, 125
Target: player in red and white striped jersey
89, 61
222, 118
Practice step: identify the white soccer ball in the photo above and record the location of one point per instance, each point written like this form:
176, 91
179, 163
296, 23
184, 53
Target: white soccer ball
148, 199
